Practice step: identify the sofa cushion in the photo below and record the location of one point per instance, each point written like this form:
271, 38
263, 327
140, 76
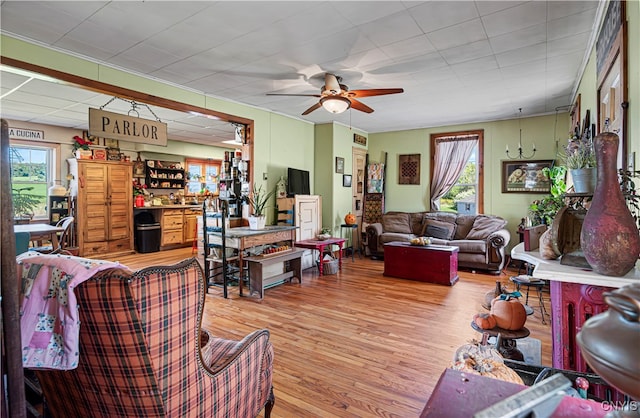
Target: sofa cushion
396, 222
416, 220
442, 216
394, 236
470, 246
464, 224
483, 226
438, 229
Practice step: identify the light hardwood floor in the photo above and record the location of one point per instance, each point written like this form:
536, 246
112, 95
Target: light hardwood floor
355, 344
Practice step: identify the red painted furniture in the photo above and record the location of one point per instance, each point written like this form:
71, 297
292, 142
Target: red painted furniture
576, 295
431, 263
461, 395
316, 244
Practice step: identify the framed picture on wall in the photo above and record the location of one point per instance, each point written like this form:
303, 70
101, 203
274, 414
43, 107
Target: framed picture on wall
346, 180
525, 176
339, 165
409, 169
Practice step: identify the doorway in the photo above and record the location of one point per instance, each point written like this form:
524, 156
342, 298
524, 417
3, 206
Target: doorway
359, 158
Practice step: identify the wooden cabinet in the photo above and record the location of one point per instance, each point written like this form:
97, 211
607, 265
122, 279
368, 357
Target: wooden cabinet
104, 207
172, 226
190, 231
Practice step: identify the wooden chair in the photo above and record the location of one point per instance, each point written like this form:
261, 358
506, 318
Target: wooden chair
143, 352
64, 238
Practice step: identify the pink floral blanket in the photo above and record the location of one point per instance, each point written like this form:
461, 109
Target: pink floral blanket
49, 320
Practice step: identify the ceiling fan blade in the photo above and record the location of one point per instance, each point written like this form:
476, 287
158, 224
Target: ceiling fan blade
331, 83
290, 94
360, 106
311, 109
373, 92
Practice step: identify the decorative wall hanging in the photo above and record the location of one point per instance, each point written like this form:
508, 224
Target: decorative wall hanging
346, 180
339, 165
409, 169
359, 139
525, 176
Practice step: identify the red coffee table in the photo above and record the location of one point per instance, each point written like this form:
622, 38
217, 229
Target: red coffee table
427, 263
316, 244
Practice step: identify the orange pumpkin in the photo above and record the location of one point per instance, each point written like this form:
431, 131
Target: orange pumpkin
484, 320
509, 313
350, 219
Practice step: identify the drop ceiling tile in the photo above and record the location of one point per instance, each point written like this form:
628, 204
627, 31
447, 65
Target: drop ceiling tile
435, 15
309, 24
391, 29
515, 18
489, 7
571, 25
418, 45
518, 39
558, 9
363, 12
522, 55
456, 35
568, 45
467, 52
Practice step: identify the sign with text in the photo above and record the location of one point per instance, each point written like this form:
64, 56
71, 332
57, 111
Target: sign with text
30, 134
127, 128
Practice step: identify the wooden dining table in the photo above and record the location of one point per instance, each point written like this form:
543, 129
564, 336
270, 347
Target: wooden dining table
41, 231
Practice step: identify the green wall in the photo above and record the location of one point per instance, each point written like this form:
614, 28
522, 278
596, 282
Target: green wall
280, 141
588, 87
497, 135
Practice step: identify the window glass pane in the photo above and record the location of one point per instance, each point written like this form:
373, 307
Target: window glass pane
462, 197
31, 169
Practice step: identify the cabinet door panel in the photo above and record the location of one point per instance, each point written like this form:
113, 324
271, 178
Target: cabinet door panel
94, 203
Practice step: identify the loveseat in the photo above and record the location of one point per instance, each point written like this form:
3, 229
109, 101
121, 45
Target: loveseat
481, 238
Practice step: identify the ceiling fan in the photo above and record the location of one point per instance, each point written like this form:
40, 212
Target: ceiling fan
336, 97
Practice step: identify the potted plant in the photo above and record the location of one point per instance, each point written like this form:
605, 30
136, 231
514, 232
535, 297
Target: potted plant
544, 211
258, 200
24, 203
580, 159
325, 233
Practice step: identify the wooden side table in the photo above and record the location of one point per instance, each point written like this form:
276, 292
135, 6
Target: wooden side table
316, 244
347, 229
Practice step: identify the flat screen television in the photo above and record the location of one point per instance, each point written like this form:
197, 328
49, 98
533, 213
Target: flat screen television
297, 182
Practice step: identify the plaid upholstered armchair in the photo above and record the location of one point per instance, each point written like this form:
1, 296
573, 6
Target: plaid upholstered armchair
143, 354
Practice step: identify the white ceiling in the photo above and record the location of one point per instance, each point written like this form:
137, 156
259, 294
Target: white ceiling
458, 61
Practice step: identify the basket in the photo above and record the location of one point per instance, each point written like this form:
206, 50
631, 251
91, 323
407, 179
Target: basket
330, 266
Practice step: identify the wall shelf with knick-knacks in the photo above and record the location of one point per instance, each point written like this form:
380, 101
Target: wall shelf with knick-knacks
164, 174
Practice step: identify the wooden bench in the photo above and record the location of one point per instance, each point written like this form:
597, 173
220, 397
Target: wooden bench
262, 277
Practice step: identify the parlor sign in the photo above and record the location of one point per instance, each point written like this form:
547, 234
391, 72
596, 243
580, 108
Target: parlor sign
126, 128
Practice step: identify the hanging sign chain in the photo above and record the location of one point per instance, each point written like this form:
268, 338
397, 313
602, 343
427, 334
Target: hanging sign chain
134, 107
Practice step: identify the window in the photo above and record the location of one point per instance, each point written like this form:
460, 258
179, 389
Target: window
456, 177
33, 170
202, 175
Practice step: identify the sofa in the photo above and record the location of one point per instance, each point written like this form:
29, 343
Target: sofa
482, 239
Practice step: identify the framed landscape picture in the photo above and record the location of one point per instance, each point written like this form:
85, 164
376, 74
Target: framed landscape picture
525, 176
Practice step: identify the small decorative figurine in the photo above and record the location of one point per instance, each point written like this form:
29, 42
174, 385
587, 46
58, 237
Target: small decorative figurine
281, 187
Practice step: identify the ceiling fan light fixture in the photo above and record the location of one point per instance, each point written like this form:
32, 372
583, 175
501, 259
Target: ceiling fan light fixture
335, 104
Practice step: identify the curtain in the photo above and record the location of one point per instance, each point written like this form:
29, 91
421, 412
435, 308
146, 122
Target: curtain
451, 156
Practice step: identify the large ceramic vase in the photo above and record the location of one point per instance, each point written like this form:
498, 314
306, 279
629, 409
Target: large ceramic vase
609, 236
